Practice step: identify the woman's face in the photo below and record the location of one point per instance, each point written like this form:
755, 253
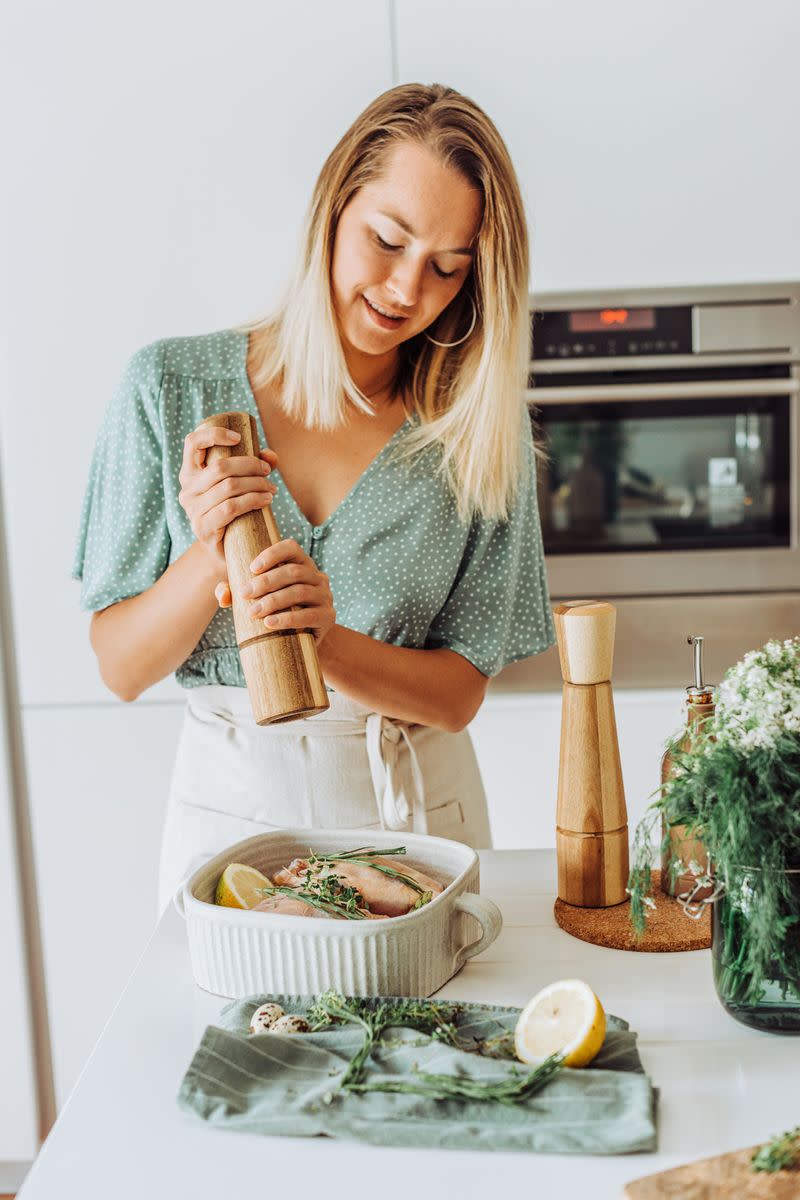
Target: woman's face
403, 243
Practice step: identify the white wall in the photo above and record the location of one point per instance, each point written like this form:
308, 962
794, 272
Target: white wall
163, 153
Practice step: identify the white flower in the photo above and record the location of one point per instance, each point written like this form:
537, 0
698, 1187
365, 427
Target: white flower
759, 698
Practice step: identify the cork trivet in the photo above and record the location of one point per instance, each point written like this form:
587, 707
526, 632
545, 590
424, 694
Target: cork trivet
668, 927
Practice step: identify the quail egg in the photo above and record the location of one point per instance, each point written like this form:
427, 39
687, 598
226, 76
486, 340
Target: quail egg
264, 1017
290, 1023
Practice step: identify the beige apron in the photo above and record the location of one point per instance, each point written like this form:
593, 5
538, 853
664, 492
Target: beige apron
345, 768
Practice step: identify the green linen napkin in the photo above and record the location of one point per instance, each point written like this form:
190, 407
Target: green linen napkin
286, 1085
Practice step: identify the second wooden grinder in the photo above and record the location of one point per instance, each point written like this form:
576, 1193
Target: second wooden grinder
280, 667
592, 820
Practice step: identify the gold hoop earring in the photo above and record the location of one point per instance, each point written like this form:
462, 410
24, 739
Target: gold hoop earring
449, 345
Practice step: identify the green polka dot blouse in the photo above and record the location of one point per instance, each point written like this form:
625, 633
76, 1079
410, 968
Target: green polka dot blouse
403, 567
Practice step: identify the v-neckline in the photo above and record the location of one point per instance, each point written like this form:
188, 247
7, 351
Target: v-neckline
276, 474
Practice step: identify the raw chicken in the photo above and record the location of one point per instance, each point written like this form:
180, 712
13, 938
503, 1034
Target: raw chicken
385, 895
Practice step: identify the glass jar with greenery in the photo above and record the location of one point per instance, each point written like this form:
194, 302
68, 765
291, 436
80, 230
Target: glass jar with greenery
750, 892
738, 788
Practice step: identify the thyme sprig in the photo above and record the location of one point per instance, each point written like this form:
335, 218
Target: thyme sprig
779, 1154
332, 889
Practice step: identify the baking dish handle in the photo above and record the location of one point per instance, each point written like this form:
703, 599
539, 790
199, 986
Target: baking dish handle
487, 913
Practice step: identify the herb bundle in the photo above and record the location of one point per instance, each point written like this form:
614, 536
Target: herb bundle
738, 788
439, 1021
366, 855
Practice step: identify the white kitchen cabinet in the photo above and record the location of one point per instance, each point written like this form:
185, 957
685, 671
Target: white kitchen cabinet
647, 154
18, 1101
517, 739
24, 1076
98, 781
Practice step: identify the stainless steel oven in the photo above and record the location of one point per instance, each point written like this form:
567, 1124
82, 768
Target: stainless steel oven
670, 418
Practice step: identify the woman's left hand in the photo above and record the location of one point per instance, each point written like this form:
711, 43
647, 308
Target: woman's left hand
285, 576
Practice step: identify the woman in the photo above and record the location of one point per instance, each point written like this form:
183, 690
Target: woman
388, 392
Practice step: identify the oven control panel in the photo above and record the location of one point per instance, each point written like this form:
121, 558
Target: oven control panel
611, 332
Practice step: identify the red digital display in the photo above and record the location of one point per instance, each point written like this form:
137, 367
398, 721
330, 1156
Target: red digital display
610, 320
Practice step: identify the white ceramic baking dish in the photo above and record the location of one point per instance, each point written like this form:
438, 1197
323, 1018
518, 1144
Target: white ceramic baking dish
235, 952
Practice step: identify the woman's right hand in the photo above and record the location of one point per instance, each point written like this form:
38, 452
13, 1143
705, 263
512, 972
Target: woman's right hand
214, 494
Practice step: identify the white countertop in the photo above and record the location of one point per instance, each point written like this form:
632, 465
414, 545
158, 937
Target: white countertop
121, 1134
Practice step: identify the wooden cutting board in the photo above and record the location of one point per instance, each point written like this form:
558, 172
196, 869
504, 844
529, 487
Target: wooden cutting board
726, 1177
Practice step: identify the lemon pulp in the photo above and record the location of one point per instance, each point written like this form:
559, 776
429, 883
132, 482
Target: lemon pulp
240, 886
566, 1018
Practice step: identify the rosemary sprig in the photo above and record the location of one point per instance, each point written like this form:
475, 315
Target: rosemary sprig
335, 902
782, 1152
365, 855
366, 850
509, 1090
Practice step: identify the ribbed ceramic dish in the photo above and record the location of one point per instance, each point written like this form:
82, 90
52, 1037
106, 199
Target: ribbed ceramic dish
235, 952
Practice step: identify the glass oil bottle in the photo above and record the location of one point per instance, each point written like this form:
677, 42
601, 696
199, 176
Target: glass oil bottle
699, 709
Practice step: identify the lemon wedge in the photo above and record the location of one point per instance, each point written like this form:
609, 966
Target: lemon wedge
564, 1018
239, 886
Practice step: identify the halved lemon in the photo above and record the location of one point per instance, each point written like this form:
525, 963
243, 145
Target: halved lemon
239, 886
564, 1018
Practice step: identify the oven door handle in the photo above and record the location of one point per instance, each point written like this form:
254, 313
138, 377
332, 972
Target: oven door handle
599, 393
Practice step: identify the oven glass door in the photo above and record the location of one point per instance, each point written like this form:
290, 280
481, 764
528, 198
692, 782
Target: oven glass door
684, 471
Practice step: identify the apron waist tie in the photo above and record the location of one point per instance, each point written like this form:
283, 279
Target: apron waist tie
384, 738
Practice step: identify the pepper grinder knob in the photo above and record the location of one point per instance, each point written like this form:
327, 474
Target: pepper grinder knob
585, 631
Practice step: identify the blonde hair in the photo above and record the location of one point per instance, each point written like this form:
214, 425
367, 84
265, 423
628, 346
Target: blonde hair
469, 398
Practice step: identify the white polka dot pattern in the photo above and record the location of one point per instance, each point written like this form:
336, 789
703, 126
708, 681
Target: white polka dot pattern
403, 568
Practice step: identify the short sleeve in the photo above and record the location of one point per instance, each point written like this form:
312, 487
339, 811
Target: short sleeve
498, 610
123, 542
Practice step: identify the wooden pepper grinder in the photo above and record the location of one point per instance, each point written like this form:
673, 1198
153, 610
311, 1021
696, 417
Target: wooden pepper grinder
280, 667
592, 820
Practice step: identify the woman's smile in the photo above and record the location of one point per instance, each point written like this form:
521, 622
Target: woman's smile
379, 317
